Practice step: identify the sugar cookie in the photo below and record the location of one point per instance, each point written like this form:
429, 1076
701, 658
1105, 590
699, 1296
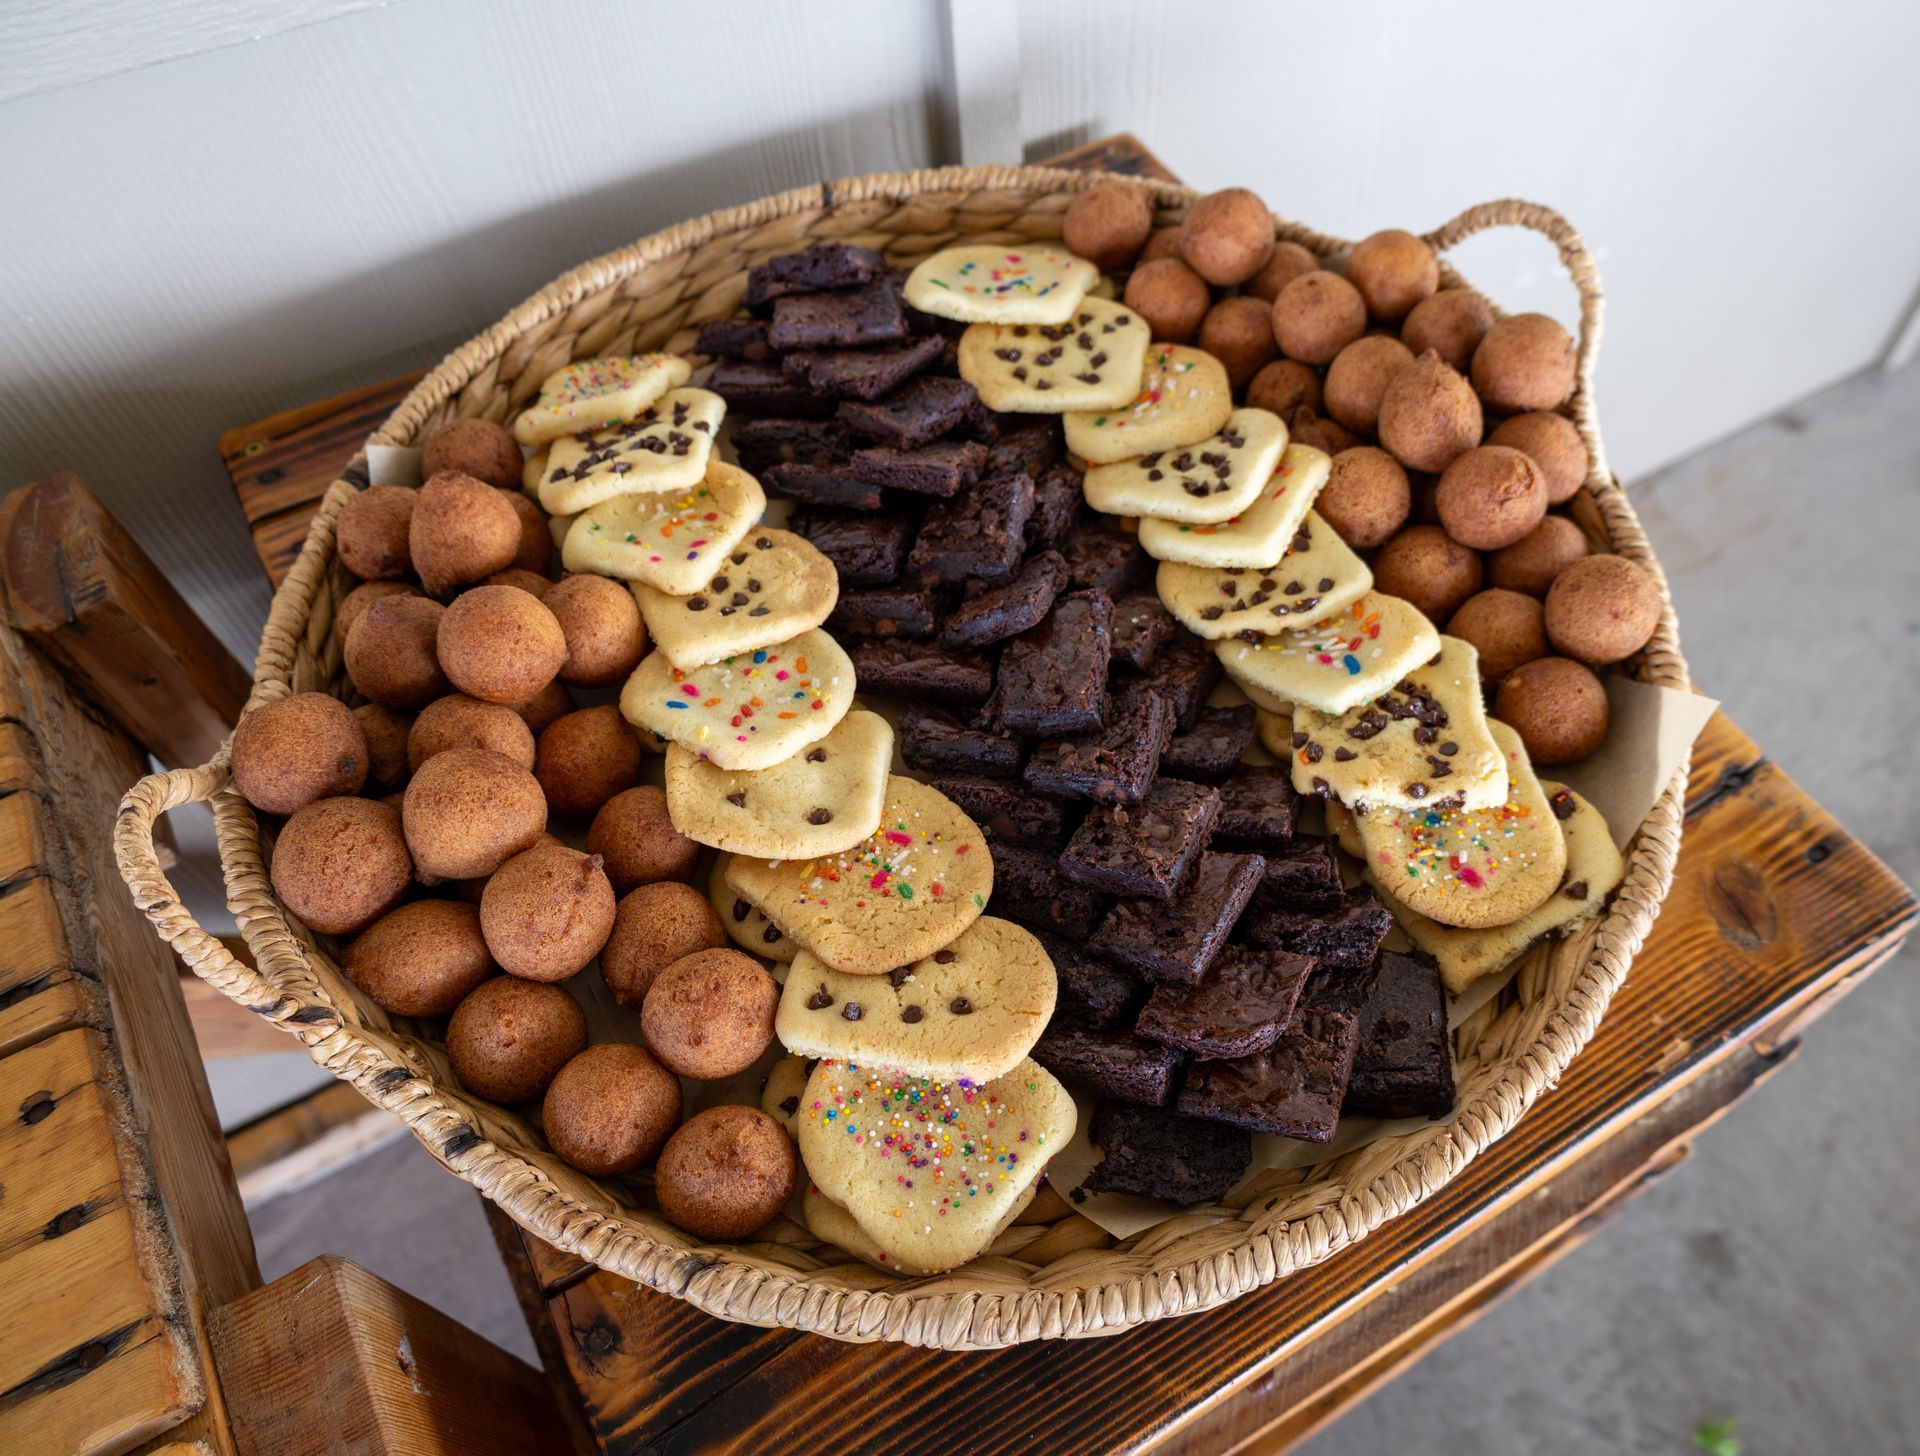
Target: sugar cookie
665, 446
750, 711
1184, 397
1205, 484
771, 586
671, 541
1340, 661
1093, 361
822, 800
1038, 284
1318, 575
591, 393
1258, 536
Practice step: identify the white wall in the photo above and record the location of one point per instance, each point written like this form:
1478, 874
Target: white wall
202, 227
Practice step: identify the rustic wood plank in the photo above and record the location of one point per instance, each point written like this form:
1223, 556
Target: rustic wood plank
331, 1358
79, 586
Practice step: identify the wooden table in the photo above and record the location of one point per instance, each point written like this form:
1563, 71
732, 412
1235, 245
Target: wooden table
1775, 912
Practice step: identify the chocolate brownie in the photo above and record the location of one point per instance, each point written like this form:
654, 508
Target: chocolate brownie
1348, 935
1184, 673
978, 533
1257, 808
1211, 749
762, 387
1403, 1063
1304, 875
1105, 557
884, 611
823, 485
1152, 1153
762, 444
733, 338
1027, 446
1005, 812
909, 669
1240, 1006
1093, 992
1056, 502
942, 469
1177, 940
937, 741
1053, 678
1292, 1089
1028, 887
822, 267
868, 314
1145, 848
861, 374
1141, 627
1004, 611
1115, 765
867, 550
916, 414
984, 423
1111, 1063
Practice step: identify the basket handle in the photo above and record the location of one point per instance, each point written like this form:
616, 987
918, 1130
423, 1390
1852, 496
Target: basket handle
139, 862
1585, 273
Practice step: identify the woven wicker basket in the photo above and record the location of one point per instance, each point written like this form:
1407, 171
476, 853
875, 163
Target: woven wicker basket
1047, 1280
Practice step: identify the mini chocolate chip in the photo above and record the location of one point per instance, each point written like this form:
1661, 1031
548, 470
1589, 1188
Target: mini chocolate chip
740, 910
911, 1014
899, 976
696, 604
819, 816
960, 1006
1449, 748
851, 1011
739, 800
944, 957
816, 755
1312, 753
1562, 805
1299, 740
1343, 754
1326, 583
1576, 891
820, 1000
771, 935
1416, 791
789, 1105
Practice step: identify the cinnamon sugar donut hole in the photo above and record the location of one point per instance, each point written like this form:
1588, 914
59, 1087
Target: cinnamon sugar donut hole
1171, 297
1239, 333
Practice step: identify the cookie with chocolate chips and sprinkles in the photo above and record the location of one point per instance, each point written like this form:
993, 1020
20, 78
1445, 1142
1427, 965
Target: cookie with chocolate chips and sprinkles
988, 284
1202, 484
672, 540
1318, 576
1094, 360
665, 446
823, 799
1000, 973
901, 894
1259, 535
590, 394
1339, 661
1184, 397
772, 586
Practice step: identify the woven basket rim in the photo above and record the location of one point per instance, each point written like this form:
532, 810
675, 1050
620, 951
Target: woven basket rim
941, 1313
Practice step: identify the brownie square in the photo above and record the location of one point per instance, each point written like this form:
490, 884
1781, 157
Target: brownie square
909, 669
1145, 848
1111, 1063
1257, 808
1152, 1153
883, 611
1053, 678
1184, 673
1347, 936
942, 469
1028, 887
1105, 557
937, 741
1292, 1089
1027, 446
733, 338
917, 414
1093, 993
822, 267
1211, 749
1240, 1006
1115, 765
762, 387
867, 550
978, 533
868, 314
1004, 611
763, 444
863, 374
1177, 940
1056, 502
1303, 875
1403, 1062
1141, 627
823, 485
1005, 812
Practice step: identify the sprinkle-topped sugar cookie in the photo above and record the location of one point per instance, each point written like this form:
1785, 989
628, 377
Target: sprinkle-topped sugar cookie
1183, 397
1257, 537
663, 447
747, 712
593, 393
673, 540
929, 1169
1340, 661
1207, 483
1038, 284
1471, 867
904, 892
773, 585
1319, 574
1091, 361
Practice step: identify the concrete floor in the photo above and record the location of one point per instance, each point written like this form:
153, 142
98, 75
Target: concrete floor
1770, 1278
